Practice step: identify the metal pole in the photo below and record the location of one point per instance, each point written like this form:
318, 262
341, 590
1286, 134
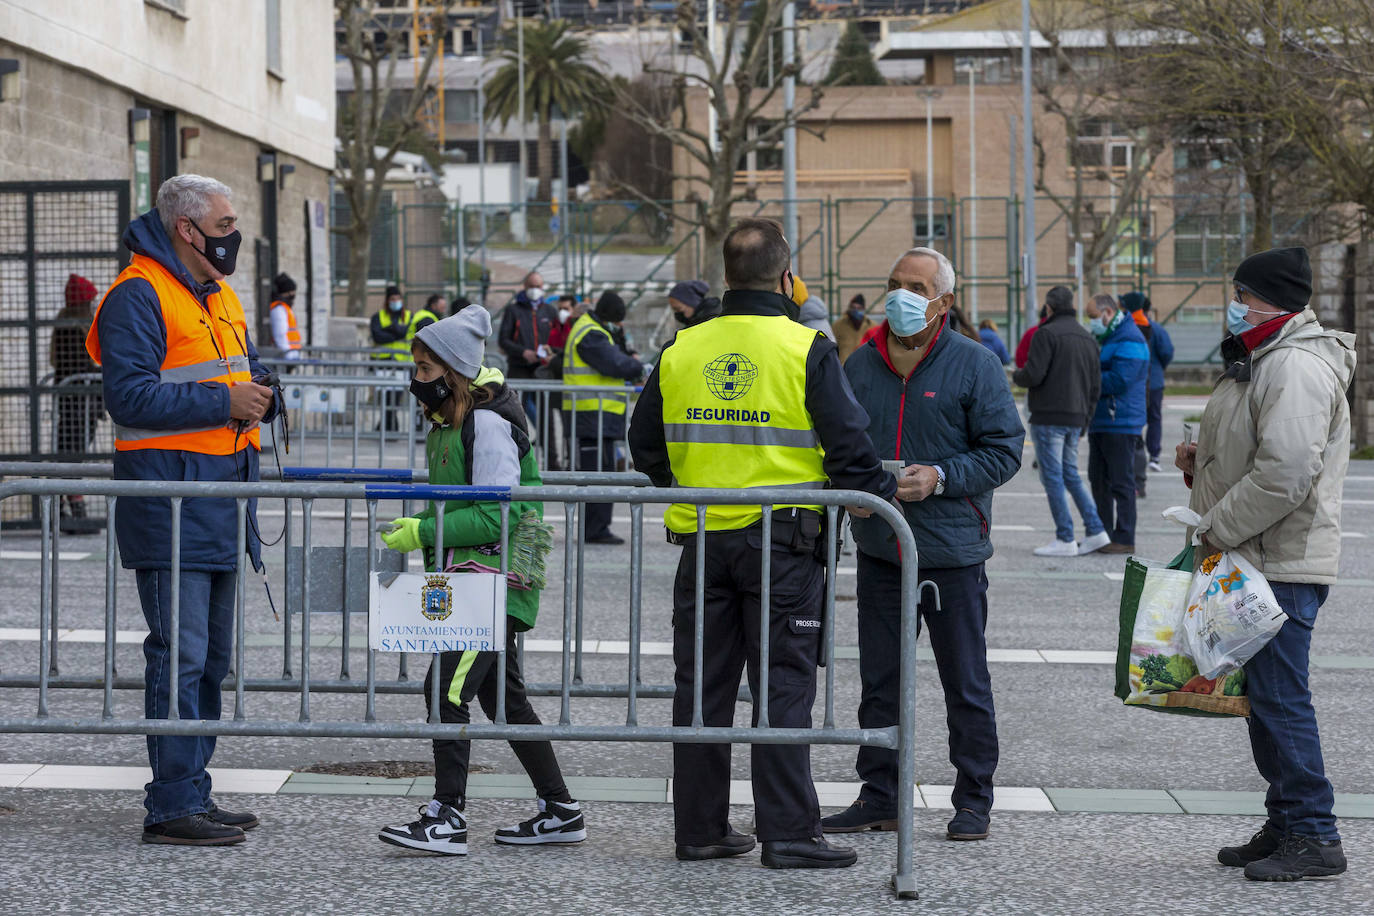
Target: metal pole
1028, 178
971, 269
524, 168
930, 170
481, 157
711, 126
567, 202
1078, 273
789, 132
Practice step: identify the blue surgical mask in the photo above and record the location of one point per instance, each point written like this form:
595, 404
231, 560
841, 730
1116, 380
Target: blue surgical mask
906, 312
1098, 327
1235, 318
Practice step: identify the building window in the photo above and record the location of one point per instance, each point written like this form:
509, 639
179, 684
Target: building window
460, 106
274, 38
1102, 144
382, 262
175, 7
940, 229
1204, 242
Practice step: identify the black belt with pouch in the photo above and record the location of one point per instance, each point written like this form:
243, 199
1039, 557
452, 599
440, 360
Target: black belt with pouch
798, 530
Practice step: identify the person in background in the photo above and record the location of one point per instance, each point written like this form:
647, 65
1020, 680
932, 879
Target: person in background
1023, 347
1133, 303
597, 421
458, 304
1062, 379
1161, 355
987, 333
849, 329
1267, 473
77, 414
959, 322
690, 303
813, 314
558, 334
427, 315
526, 325
390, 328
1114, 434
286, 335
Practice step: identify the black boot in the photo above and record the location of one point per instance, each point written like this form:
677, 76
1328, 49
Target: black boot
813, 852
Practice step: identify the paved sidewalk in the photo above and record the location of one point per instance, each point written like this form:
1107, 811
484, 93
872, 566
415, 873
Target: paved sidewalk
68, 851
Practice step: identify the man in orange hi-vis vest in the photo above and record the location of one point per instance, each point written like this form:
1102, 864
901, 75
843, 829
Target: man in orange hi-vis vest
286, 335
178, 367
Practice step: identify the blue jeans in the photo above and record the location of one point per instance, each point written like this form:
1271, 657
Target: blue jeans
180, 784
1283, 724
961, 658
1056, 451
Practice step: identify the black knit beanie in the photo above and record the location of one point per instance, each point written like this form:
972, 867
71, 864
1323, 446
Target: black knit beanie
610, 307
1281, 277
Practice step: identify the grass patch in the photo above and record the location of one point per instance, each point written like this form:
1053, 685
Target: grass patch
1187, 389
1363, 454
1193, 418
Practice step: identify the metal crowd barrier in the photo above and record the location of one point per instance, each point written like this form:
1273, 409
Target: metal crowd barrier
900, 738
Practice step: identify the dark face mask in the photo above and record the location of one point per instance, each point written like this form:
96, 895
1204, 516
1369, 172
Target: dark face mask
681, 317
856, 315
432, 394
222, 251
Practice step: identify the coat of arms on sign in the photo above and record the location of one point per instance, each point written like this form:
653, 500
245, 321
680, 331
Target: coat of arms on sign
436, 598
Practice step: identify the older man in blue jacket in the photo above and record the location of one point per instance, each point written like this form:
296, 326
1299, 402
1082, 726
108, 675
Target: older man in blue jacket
180, 380
939, 402
1114, 433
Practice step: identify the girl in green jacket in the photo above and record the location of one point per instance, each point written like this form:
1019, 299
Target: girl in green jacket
479, 437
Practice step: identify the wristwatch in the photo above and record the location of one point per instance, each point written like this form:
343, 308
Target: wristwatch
940, 482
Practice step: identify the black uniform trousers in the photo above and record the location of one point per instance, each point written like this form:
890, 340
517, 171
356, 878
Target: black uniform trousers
785, 801
1111, 472
464, 675
592, 459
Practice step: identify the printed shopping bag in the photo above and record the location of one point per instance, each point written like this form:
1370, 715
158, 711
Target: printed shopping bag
1231, 614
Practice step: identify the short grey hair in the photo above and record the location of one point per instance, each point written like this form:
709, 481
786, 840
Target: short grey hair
944, 271
187, 195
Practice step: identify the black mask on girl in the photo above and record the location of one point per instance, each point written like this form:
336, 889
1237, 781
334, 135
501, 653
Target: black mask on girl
222, 251
432, 394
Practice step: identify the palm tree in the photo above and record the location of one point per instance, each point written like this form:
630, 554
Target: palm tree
559, 75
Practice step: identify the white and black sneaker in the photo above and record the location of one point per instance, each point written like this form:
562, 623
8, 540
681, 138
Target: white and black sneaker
441, 828
556, 822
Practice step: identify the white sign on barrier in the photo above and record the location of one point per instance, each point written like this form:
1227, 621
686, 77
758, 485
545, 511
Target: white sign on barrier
315, 398
437, 612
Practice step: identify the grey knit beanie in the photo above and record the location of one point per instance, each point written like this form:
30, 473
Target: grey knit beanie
459, 340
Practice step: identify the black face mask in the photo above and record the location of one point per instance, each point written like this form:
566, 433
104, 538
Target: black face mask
432, 394
222, 251
681, 318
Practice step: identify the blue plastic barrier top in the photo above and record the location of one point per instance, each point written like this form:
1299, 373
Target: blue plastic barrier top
434, 491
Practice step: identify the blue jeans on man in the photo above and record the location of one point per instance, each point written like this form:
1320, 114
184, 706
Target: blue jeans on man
1283, 724
1056, 451
961, 658
180, 785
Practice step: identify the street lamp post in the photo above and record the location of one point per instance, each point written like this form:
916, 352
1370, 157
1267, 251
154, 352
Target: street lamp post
970, 66
930, 95
789, 132
1028, 177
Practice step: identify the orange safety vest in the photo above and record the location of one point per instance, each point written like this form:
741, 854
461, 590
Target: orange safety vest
204, 344
293, 335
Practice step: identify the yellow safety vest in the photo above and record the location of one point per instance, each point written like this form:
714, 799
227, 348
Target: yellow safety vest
415, 319
576, 371
398, 350
734, 414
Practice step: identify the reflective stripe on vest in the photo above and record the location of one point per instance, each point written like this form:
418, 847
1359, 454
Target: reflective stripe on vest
293, 334
196, 337
398, 350
413, 328
734, 414
577, 371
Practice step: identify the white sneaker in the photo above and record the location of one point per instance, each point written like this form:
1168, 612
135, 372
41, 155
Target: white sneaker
1154, 466
1058, 549
441, 828
556, 822
1094, 543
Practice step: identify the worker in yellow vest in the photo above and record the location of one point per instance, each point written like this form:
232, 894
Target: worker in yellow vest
179, 369
594, 421
749, 399
390, 327
426, 316
285, 333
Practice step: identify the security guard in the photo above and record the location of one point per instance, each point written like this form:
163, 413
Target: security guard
390, 327
751, 399
178, 366
285, 333
593, 358
425, 316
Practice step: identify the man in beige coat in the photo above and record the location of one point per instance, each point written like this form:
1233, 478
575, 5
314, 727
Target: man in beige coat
1266, 475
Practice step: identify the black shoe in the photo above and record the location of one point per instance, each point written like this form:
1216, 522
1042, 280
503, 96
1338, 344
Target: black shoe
1261, 846
440, 828
557, 822
967, 824
242, 820
606, 538
733, 843
1299, 857
857, 818
813, 852
192, 830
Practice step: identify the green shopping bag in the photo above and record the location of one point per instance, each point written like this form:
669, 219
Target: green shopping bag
1153, 668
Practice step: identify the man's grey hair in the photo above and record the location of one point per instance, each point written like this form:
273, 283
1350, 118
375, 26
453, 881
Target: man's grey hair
944, 271
187, 195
